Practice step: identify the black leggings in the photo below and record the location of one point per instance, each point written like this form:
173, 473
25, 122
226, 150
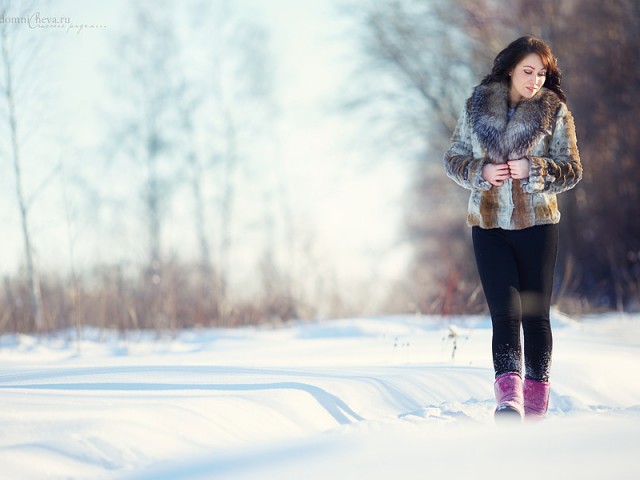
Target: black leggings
516, 271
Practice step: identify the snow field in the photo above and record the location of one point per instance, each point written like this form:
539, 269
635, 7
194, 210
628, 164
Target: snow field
346, 399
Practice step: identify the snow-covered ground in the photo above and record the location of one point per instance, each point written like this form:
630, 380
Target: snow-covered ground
378, 398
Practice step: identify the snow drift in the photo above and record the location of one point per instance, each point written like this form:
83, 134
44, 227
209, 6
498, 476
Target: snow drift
374, 398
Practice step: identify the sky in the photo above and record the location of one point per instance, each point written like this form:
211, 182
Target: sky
347, 200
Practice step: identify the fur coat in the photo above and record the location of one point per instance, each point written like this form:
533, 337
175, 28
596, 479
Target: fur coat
541, 129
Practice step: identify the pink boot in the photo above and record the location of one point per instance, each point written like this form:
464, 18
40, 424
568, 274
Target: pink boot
536, 399
508, 390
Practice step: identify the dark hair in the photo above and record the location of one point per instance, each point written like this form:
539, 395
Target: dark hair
508, 58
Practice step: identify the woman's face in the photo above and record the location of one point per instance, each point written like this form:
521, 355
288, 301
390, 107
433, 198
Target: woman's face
527, 78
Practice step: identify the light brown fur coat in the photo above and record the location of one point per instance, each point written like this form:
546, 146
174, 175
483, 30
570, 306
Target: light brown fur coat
541, 129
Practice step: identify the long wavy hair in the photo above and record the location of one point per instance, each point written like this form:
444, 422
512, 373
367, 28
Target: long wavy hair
508, 58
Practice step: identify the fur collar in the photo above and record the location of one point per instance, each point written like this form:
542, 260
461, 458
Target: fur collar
505, 139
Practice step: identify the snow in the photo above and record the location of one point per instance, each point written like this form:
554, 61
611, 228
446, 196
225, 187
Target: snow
373, 398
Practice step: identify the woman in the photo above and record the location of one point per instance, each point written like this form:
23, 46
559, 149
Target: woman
515, 148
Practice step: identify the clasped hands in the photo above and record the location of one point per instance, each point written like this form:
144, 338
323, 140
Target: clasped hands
496, 174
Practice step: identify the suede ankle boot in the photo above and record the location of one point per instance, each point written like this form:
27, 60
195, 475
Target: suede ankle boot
509, 396
536, 399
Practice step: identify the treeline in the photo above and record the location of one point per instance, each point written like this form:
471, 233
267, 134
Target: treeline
431, 54
185, 196
194, 113
128, 299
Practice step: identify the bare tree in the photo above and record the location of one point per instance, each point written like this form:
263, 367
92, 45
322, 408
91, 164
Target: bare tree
599, 44
196, 170
12, 50
148, 90
418, 66
227, 108
240, 113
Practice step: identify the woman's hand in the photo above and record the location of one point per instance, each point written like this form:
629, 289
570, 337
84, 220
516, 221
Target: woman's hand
519, 168
496, 174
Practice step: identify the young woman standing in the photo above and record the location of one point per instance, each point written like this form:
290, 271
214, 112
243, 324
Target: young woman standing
515, 148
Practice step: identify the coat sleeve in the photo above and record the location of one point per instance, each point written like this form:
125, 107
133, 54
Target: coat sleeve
459, 162
561, 170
